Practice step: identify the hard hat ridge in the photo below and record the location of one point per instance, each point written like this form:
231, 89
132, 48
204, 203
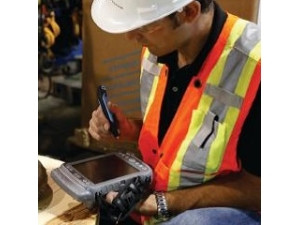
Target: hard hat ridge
118, 16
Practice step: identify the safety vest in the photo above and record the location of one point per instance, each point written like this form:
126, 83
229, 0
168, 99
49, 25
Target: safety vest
201, 141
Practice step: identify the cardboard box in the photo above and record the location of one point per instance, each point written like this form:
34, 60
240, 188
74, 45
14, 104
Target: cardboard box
110, 60
246, 9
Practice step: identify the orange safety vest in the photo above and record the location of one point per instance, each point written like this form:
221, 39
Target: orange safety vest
201, 141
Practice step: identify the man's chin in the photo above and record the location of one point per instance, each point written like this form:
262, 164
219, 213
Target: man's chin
155, 51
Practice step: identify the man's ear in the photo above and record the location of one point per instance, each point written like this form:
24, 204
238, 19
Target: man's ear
190, 11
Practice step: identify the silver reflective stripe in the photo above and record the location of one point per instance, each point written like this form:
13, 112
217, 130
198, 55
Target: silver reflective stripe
145, 90
190, 177
202, 134
238, 57
232, 70
151, 67
249, 38
224, 96
219, 109
195, 172
150, 70
196, 155
152, 58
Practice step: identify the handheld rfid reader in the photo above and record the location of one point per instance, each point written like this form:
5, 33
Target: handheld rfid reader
85, 179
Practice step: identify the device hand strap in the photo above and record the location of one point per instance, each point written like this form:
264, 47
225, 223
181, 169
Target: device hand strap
125, 201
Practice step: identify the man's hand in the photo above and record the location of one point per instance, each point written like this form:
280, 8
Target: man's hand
146, 207
110, 196
99, 125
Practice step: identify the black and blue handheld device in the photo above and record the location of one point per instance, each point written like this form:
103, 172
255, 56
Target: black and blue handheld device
103, 100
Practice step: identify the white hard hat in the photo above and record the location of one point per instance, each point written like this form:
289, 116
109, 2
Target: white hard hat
119, 16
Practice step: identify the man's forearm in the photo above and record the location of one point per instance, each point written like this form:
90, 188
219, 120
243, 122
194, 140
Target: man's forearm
240, 190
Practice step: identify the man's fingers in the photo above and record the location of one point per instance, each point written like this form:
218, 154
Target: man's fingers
110, 196
94, 134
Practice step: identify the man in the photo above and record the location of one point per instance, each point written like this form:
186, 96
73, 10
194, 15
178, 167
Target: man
200, 99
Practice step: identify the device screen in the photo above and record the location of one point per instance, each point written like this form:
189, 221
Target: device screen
104, 168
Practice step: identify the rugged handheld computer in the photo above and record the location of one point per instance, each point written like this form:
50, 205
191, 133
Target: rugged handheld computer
87, 178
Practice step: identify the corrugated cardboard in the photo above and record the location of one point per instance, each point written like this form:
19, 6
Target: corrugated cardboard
246, 9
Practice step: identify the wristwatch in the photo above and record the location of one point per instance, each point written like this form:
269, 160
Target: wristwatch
162, 207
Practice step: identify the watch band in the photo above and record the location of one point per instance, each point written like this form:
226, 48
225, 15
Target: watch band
162, 206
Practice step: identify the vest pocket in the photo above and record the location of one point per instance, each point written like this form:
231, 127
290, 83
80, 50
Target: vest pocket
207, 132
208, 142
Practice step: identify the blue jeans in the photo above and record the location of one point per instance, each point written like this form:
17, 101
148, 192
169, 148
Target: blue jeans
215, 216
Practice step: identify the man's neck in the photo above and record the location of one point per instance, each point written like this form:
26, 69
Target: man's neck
201, 31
